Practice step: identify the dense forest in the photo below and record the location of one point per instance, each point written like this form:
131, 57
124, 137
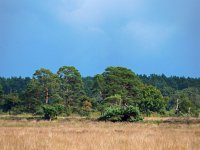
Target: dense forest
66, 92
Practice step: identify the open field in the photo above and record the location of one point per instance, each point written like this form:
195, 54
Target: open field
82, 134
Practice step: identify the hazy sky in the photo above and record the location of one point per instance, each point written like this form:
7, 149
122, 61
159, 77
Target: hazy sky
147, 36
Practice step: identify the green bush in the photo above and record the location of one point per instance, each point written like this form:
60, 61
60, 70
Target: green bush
50, 112
129, 113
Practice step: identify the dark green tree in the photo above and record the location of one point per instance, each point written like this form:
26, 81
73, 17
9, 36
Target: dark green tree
98, 87
33, 97
152, 100
71, 84
48, 83
123, 82
1, 91
182, 103
10, 101
88, 85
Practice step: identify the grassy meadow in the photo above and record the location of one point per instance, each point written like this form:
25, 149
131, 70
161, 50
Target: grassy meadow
83, 134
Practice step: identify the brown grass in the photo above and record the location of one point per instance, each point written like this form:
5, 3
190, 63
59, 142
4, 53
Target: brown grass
91, 135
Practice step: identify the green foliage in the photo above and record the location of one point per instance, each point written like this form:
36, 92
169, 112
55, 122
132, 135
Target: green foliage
152, 101
121, 81
88, 85
153, 105
1, 91
71, 85
46, 83
85, 105
67, 92
151, 92
60, 109
14, 85
129, 113
183, 104
56, 99
117, 86
10, 101
50, 112
114, 100
98, 87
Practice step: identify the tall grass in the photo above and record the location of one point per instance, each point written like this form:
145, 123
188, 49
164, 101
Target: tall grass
88, 135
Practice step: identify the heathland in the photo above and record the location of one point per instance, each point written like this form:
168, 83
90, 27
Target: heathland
86, 134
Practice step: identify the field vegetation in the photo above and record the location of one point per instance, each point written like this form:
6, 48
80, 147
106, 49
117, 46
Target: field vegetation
83, 134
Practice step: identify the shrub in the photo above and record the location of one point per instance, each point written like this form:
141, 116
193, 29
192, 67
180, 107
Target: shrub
129, 113
50, 112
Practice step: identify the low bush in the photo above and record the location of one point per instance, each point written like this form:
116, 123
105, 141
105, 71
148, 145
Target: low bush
52, 111
128, 113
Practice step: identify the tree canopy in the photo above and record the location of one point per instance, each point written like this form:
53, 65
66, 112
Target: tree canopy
116, 87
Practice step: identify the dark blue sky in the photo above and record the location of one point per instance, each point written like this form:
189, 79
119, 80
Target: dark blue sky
147, 36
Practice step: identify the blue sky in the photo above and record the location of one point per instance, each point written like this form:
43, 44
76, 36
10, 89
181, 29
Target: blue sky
146, 36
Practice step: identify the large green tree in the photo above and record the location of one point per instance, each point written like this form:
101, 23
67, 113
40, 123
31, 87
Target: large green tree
71, 84
47, 83
123, 82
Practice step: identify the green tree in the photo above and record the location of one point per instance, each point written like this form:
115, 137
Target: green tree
1, 93
182, 103
152, 100
32, 99
48, 83
122, 81
88, 85
71, 85
10, 101
98, 87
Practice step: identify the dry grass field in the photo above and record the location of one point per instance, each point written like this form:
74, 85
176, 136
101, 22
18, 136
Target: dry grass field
79, 134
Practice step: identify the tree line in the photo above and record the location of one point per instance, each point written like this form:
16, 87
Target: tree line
117, 90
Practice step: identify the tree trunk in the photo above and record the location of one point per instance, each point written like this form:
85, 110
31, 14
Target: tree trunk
47, 96
177, 106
